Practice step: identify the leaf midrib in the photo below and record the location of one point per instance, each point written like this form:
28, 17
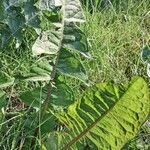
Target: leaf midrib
77, 138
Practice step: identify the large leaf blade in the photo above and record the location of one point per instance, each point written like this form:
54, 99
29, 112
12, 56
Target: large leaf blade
107, 116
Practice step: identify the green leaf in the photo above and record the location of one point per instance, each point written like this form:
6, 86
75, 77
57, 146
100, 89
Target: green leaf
70, 66
31, 16
51, 41
15, 21
5, 80
107, 116
5, 36
48, 123
61, 96
16, 3
49, 4
73, 11
47, 43
40, 71
33, 98
75, 40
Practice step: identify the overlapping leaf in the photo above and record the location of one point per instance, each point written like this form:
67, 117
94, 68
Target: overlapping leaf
75, 40
5, 36
39, 71
61, 97
15, 21
49, 4
31, 14
64, 35
106, 117
47, 43
16, 3
70, 66
73, 11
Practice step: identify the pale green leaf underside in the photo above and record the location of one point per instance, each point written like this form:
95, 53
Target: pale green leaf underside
40, 71
50, 42
73, 11
47, 43
106, 117
49, 4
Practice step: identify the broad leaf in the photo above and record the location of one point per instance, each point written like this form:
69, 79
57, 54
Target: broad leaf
5, 36
40, 71
49, 4
31, 16
47, 43
73, 11
106, 117
61, 97
71, 66
33, 98
51, 41
75, 40
16, 3
16, 22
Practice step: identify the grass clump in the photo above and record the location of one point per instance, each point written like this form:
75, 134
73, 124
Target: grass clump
116, 40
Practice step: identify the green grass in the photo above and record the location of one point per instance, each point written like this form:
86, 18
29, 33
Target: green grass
116, 40
116, 37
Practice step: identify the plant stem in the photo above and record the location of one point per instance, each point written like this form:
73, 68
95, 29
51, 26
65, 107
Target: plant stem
52, 76
53, 73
